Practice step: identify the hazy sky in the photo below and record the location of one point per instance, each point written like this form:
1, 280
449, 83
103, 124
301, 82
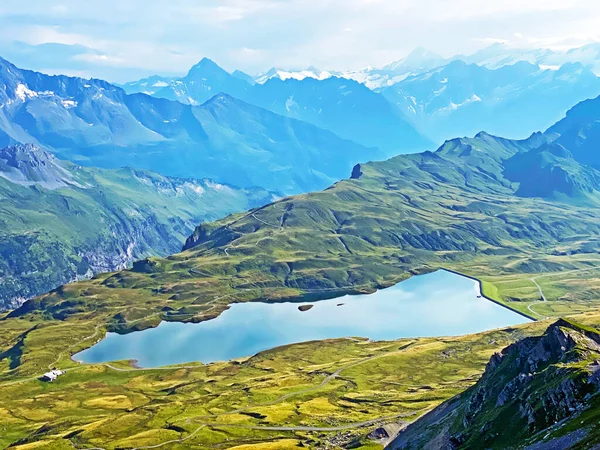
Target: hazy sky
124, 39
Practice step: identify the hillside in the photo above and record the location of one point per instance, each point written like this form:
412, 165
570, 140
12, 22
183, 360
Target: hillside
539, 393
579, 131
431, 97
460, 208
413, 213
251, 146
203, 81
62, 222
95, 123
345, 107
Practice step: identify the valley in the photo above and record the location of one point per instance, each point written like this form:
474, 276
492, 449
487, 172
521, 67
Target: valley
328, 391
221, 258
458, 208
62, 222
227, 140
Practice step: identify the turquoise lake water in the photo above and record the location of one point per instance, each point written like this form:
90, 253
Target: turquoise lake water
438, 304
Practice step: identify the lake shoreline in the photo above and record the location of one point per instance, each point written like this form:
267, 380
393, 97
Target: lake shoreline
437, 304
480, 284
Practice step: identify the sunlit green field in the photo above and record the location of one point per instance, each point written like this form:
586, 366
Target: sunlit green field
539, 257
316, 393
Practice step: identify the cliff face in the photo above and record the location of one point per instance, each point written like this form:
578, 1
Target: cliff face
528, 393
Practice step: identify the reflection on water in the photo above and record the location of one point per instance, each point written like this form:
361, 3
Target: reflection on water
437, 304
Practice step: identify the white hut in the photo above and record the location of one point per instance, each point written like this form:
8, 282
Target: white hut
52, 375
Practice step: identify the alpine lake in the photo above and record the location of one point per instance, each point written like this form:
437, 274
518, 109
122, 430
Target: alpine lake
441, 303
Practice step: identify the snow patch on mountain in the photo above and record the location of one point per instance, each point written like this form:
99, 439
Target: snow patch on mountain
454, 106
69, 104
23, 92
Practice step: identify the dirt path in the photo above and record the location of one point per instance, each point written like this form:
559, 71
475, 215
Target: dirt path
534, 312
541, 292
263, 222
60, 355
542, 296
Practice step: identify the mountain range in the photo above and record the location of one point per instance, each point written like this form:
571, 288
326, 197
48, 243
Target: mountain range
344, 107
62, 222
460, 99
501, 54
95, 123
439, 98
421, 60
471, 198
579, 131
488, 206
203, 81
418, 61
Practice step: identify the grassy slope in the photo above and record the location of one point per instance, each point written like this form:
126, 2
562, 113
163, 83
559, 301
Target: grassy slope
226, 404
408, 215
540, 391
49, 237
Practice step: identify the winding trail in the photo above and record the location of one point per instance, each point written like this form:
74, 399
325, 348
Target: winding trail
68, 349
263, 222
542, 296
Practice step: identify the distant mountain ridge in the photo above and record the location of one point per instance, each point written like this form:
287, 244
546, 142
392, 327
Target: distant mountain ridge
30, 165
203, 81
429, 98
419, 60
579, 132
460, 99
95, 123
62, 222
148, 86
344, 107
550, 170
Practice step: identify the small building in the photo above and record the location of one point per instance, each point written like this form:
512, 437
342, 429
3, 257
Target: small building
52, 375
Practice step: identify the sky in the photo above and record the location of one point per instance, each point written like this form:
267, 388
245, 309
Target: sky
122, 40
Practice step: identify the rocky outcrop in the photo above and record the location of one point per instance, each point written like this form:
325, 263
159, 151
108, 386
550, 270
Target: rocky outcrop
524, 392
356, 172
29, 164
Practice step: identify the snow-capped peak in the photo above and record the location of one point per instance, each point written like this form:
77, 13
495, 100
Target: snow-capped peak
311, 72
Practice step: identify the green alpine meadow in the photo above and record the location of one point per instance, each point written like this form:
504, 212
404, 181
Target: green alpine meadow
521, 216
280, 225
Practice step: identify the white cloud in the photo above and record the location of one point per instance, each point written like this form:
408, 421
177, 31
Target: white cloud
137, 36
